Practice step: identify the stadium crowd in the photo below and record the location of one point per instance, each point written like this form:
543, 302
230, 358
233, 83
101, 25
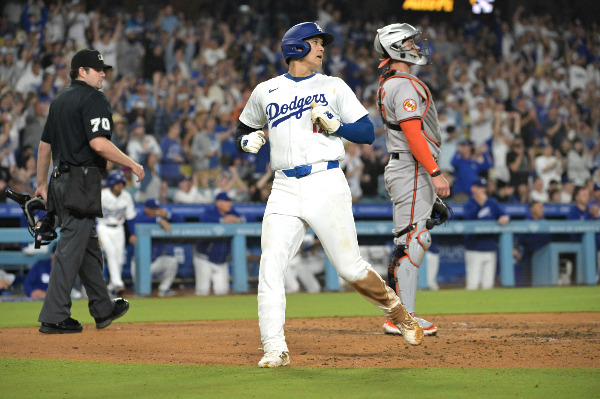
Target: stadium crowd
517, 95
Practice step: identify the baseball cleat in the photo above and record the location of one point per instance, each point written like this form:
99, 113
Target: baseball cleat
390, 328
274, 359
428, 327
411, 330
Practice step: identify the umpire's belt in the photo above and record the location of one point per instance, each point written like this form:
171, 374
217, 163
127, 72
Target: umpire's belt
60, 169
305, 170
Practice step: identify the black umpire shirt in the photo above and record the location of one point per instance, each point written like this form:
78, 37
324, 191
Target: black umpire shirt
78, 109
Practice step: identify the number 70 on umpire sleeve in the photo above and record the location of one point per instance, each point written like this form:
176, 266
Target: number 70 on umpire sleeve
96, 122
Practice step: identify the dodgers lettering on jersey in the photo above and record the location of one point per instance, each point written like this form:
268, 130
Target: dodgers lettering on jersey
284, 104
116, 210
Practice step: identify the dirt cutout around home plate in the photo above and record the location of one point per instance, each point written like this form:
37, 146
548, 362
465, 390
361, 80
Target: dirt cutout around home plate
546, 340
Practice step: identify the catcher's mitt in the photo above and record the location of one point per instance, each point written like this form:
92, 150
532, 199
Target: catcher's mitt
440, 213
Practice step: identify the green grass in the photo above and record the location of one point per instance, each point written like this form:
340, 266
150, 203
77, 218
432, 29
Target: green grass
63, 379
347, 304
49, 379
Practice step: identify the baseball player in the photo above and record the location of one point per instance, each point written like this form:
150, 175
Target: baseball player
210, 260
118, 210
309, 188
413, 179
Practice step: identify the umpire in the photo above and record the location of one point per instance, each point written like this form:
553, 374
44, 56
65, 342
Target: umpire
77, 138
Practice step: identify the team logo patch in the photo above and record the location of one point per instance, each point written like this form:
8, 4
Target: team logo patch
410, 105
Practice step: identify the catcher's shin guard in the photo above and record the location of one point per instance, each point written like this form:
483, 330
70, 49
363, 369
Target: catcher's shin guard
403, 269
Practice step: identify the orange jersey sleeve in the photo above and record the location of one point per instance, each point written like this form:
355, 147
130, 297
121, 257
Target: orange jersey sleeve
418, 145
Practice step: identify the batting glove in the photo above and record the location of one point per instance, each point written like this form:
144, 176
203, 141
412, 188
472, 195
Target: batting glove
253, 141
324, 118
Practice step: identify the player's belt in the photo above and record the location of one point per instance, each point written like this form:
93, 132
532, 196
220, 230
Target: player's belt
305, 170
110, 225
405, 155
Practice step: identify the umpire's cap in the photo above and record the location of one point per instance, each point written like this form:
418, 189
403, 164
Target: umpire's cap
88, 58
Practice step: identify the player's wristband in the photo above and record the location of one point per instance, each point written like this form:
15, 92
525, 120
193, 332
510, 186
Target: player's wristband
436, 173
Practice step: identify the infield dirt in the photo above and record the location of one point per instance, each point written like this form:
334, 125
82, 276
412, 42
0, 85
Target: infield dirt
547, 340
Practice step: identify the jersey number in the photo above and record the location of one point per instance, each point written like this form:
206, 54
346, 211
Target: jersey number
97, 121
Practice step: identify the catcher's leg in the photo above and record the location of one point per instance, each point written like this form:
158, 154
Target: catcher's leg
403, 270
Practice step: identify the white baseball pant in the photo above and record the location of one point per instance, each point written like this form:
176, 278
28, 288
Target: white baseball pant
208, 272
322, 201
112, 240
480, 269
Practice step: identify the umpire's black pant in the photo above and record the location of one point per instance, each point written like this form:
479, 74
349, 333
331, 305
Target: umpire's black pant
77, 252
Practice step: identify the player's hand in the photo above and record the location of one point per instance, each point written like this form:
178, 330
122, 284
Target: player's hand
441, 185
253, 141
324, 118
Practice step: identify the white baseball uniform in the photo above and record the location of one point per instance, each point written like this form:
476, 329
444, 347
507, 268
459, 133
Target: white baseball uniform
111, 232
309, 187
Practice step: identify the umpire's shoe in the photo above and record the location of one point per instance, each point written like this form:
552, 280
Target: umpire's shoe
67, 326
121, 307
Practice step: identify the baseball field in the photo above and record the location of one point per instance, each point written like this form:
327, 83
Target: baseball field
526, 342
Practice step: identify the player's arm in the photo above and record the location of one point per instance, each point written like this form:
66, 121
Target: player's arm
360, 132
420, 150
249, 139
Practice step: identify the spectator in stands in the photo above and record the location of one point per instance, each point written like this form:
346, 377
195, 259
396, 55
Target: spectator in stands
35, 119
555, 128
549, 164
130, 53
259, 190
164, 265
120, 135
140, 143
188, 193
106, 40
538, 192
469, 164
150, 186
77, 22
374, 166
482, 120
578, 163
480, 249
519, 162
173, 157
211, 258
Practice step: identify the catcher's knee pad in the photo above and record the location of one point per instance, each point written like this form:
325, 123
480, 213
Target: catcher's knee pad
417, 242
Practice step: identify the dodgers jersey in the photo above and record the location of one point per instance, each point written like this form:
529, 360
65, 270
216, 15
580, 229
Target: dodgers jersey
405, 99
116, 210
284, 104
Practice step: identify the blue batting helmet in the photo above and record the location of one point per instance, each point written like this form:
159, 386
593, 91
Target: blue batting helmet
293, 44
114, 177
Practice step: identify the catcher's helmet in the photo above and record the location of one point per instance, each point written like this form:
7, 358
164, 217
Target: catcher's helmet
389, 44
293, 44
114, 177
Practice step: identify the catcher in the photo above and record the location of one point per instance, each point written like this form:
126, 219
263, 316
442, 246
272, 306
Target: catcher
413, 179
